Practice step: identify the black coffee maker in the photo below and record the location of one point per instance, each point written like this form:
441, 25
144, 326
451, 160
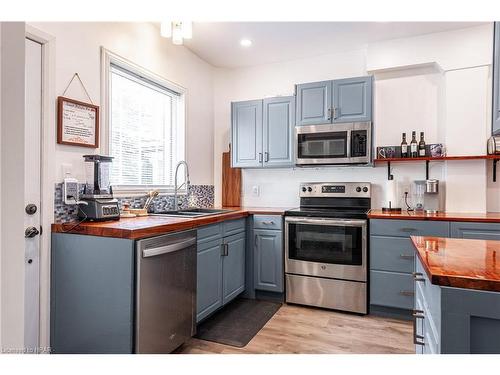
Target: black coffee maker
98, 193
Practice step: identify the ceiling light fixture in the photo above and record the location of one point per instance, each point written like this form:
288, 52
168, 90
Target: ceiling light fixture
245, 42
177, 30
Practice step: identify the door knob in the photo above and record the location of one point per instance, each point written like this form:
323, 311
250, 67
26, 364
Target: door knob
31, 232
30, 209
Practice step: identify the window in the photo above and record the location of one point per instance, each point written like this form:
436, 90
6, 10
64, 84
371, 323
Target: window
146, 128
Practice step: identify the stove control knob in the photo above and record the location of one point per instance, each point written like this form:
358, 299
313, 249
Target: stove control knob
304, 189
309, 189
358, 189
365, 189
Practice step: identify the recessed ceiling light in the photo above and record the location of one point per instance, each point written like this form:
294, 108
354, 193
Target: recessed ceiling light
246, 42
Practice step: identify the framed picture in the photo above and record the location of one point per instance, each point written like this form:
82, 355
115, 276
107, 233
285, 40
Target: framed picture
77, 123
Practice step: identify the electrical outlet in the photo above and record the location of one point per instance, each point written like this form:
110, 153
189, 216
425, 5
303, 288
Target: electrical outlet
67, 170
255, 191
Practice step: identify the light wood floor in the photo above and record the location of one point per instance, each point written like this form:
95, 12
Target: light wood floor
296, 329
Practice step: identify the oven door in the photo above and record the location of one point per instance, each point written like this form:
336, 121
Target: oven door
333, 248
323, 144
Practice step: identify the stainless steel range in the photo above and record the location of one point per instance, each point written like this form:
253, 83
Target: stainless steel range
326, 247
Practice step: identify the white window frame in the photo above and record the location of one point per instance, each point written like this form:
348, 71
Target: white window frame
109, 58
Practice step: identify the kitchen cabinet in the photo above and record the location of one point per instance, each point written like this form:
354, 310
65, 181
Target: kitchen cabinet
480, 231
220, 265
92, 294
268, 266
233, 267
313, 102
278, 133
337, 101
246, 134
455, 320
209, 278
262, 133
392, 263
352, 100
496, 81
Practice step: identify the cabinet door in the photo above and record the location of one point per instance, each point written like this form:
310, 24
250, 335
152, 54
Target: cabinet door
209, 279
352, 99
279, 123
313, 102
478, 231
233, 267
496, 82
246, 134
268, 260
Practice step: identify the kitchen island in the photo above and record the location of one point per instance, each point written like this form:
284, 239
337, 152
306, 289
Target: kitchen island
457, 295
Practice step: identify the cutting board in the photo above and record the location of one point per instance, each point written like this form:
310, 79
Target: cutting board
231, 183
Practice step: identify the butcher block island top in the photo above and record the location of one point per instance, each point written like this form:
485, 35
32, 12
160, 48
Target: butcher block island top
487, 217
148, 226
460, 263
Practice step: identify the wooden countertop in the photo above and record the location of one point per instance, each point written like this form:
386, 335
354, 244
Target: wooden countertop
488, 217
460, 263
147, 226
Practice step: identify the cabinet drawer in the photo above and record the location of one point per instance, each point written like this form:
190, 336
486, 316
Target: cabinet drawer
233, 227
406, 228
209, 233
479, 231
268, 222
395, 254
391, 289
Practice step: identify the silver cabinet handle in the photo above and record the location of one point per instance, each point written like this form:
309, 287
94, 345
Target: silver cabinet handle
408, 230
329, 114
417, 276
404, 256
266, 156
260, 157
268, 222
146, 253
335, 112
417, 314
407, 293
224, 249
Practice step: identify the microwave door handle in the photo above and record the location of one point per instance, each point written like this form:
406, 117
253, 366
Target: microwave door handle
348, 145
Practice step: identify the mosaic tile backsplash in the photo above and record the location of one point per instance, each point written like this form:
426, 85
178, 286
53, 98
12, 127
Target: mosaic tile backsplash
201, 196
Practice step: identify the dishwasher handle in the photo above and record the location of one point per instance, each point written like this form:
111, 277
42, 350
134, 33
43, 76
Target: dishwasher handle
155, 251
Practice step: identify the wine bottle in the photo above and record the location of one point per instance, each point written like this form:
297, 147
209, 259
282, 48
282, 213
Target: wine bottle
413, 145
404, 147
421, 145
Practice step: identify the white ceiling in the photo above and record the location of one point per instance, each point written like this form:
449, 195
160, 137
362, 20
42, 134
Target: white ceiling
218, 42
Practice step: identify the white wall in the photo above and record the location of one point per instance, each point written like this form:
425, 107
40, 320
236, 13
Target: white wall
421, 83
78, 50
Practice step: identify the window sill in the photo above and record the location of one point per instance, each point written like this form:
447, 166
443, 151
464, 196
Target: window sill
134, 191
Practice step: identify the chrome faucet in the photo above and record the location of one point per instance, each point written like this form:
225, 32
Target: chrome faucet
186, 182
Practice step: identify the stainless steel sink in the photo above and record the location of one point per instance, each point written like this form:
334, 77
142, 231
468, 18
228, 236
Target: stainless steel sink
191, 212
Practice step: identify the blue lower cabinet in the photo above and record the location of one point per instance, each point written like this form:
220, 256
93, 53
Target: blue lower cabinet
455, 320
391, 289
233, 267
268, 260
220, 265
479, 231
209, 279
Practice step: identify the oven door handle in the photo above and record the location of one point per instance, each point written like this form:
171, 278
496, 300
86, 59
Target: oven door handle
308, 220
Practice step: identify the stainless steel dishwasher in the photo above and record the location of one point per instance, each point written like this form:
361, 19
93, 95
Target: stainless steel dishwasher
165, 315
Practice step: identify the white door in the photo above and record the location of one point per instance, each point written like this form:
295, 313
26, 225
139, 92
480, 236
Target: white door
32, 193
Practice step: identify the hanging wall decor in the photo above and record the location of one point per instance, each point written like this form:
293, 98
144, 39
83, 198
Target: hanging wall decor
77, 122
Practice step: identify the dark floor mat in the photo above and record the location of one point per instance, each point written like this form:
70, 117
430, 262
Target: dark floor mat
237, 323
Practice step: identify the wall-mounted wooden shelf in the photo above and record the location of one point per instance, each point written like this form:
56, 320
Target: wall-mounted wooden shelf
428, 159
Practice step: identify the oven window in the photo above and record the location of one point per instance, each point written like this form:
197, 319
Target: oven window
325, 244
322, 145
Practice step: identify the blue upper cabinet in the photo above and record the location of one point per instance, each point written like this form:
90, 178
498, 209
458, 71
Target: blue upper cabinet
278, 125
246, 134
314, 101
352, 99
496, 82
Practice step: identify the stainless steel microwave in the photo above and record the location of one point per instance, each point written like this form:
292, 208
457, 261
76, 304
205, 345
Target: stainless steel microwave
348, 143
